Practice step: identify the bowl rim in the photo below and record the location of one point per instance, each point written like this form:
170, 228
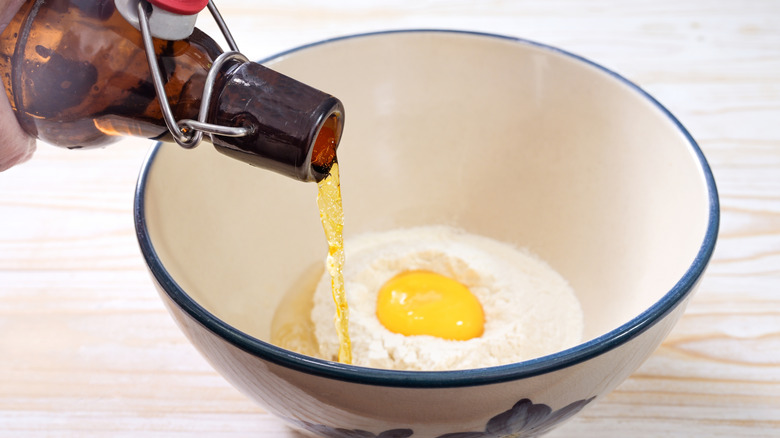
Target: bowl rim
455, 378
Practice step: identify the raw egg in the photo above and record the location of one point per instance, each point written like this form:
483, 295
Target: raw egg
426, 303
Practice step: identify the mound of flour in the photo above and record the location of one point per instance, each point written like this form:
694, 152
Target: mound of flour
530, 310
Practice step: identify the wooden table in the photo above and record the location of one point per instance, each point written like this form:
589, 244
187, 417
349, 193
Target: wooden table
86, 348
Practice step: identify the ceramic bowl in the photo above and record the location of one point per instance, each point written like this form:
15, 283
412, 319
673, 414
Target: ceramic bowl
504, 138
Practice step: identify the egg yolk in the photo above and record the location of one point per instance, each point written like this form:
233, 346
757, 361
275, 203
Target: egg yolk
427, 303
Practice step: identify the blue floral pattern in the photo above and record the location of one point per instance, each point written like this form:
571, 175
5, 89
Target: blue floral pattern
337, 432
525, 419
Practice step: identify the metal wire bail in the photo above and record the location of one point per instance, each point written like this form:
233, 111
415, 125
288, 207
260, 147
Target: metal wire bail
189, 133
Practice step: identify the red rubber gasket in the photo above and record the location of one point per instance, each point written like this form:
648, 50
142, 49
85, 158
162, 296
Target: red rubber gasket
183, 7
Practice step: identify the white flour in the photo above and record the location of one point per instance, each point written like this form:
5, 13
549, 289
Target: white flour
530, 310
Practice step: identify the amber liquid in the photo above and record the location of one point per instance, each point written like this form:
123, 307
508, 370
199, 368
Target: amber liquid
332, 216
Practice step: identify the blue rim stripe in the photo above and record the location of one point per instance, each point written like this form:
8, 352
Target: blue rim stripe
442, 379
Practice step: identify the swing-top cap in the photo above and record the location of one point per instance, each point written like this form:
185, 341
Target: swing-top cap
168, 19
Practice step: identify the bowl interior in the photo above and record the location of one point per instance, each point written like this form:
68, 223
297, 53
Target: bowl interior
502, 138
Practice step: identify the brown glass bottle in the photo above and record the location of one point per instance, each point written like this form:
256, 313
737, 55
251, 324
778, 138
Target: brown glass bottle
76, 75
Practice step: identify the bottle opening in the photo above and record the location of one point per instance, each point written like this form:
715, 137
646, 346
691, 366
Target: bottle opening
324, 151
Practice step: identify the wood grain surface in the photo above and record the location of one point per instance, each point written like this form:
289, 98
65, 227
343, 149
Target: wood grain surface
87, 349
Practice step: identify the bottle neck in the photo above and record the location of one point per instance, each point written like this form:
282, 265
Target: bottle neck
295, 128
